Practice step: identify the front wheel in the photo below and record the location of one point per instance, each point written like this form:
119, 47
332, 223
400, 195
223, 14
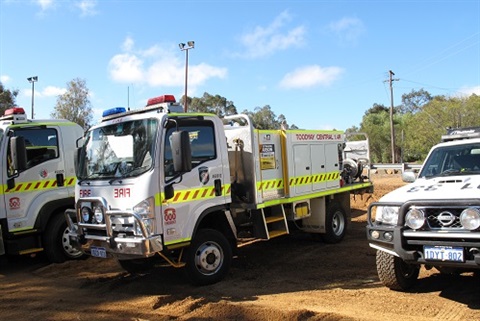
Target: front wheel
394, 273
58, 248
335, 223
209, 257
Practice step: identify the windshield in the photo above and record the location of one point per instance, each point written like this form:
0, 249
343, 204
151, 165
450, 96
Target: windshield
453, 160
119, 150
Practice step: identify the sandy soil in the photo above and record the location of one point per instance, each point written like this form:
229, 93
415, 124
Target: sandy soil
290, 278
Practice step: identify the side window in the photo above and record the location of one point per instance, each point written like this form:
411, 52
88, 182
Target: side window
41, 144
202, 143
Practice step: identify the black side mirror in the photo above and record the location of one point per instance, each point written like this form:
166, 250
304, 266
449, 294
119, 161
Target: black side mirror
18, 153
181, 152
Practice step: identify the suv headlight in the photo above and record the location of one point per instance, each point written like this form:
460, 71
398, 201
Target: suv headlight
387, 215
146, 210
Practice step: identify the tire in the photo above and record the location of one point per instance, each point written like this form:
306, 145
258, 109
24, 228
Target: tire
58, 248
137, 265
208, 258
394, 273
335, 224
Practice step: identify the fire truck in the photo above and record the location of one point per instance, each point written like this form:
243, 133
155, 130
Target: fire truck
38, 179
435, 220
189, 189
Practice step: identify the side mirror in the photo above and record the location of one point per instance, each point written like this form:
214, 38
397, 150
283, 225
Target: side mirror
181, 152
18, 153
78, 155
409, 177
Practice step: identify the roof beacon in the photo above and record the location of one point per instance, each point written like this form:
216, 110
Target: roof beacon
17, 114
166, 104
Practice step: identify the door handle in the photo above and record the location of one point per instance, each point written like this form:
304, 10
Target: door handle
218, 187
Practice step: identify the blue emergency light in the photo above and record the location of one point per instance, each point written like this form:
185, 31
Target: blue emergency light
113, 111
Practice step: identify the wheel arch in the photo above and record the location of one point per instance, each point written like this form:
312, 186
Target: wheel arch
55, 207
216, 218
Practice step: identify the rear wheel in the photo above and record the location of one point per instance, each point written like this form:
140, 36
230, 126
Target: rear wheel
335, 223
58, 248
394, 273
208, 258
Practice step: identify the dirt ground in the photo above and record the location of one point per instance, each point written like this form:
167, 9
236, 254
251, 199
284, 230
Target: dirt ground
295, 277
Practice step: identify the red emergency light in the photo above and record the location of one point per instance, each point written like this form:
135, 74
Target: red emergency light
161, 99
14, 111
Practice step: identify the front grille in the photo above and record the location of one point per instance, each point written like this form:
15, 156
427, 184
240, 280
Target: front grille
444, 218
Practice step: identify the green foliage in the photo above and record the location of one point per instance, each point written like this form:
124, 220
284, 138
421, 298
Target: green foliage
212, 104
74, 104
265, 118
7, 98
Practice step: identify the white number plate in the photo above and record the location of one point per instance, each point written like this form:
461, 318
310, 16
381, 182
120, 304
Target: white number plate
443, 253
98, 252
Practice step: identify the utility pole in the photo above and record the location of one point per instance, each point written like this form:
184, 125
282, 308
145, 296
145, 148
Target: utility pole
392, 129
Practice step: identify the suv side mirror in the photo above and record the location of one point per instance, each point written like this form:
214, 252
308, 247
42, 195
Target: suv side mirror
408, 177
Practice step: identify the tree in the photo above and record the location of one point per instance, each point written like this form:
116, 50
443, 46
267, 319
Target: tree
7, 98
74, 104
265, 118
414, 101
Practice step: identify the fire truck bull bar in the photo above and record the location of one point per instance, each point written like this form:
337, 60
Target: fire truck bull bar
120, 247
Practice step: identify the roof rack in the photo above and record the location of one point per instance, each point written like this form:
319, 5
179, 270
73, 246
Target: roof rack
461, 133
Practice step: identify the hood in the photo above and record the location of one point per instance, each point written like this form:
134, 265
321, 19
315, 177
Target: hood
438, 188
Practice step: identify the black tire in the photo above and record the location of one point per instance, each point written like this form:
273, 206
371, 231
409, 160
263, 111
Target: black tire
208, 258
394, 273
336, 223
137, 265
57, 246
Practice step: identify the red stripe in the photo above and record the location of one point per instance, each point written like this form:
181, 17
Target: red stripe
186, 196
205, 191
177, 195
18, 187
28, 186
195, 194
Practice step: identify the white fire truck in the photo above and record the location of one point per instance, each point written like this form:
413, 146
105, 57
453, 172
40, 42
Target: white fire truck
435, 220
38, 179
190, 188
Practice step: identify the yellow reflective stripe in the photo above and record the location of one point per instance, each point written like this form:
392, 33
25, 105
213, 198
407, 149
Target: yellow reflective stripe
270, 184
44, 184
190, 195
297, 181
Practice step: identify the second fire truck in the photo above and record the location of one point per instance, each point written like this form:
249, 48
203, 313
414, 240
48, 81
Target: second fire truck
189, 188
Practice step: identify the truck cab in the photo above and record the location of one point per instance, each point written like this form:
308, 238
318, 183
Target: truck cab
435, 220
38, 178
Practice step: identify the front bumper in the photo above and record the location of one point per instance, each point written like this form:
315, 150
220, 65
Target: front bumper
409, 244
84, 236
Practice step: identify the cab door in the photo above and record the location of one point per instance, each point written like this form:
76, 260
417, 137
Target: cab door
28, 190
203, 188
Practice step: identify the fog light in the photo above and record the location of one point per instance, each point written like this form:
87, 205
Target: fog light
470, 218
415, 219
388, 236
375, 235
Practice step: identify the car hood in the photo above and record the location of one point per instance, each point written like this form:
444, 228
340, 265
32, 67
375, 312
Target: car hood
438, 188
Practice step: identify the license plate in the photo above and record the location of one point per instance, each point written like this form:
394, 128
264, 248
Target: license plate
443, 253
98, 252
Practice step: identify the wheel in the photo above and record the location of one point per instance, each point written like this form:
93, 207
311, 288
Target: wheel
394, 273
335, 223
137, 265
208, 258
58, 248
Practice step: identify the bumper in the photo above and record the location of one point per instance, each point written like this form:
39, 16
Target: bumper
121, 247
409, 245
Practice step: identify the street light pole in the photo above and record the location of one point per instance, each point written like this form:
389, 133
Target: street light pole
186, 48
33, 80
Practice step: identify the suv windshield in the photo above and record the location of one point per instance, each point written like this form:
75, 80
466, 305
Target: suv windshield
453, 160
119, 150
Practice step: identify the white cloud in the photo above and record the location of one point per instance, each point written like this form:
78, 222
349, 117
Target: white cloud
156, 67
311, 76
264, 41
347, 30
51, 91
87, 7
4, 79
467, 91
45, 4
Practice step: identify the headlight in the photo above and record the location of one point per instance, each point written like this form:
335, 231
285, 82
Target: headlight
470, 218
98, 215
387, 215
145, 209
415, 219
86, 214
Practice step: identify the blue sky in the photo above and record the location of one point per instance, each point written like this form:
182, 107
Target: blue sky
322, 64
